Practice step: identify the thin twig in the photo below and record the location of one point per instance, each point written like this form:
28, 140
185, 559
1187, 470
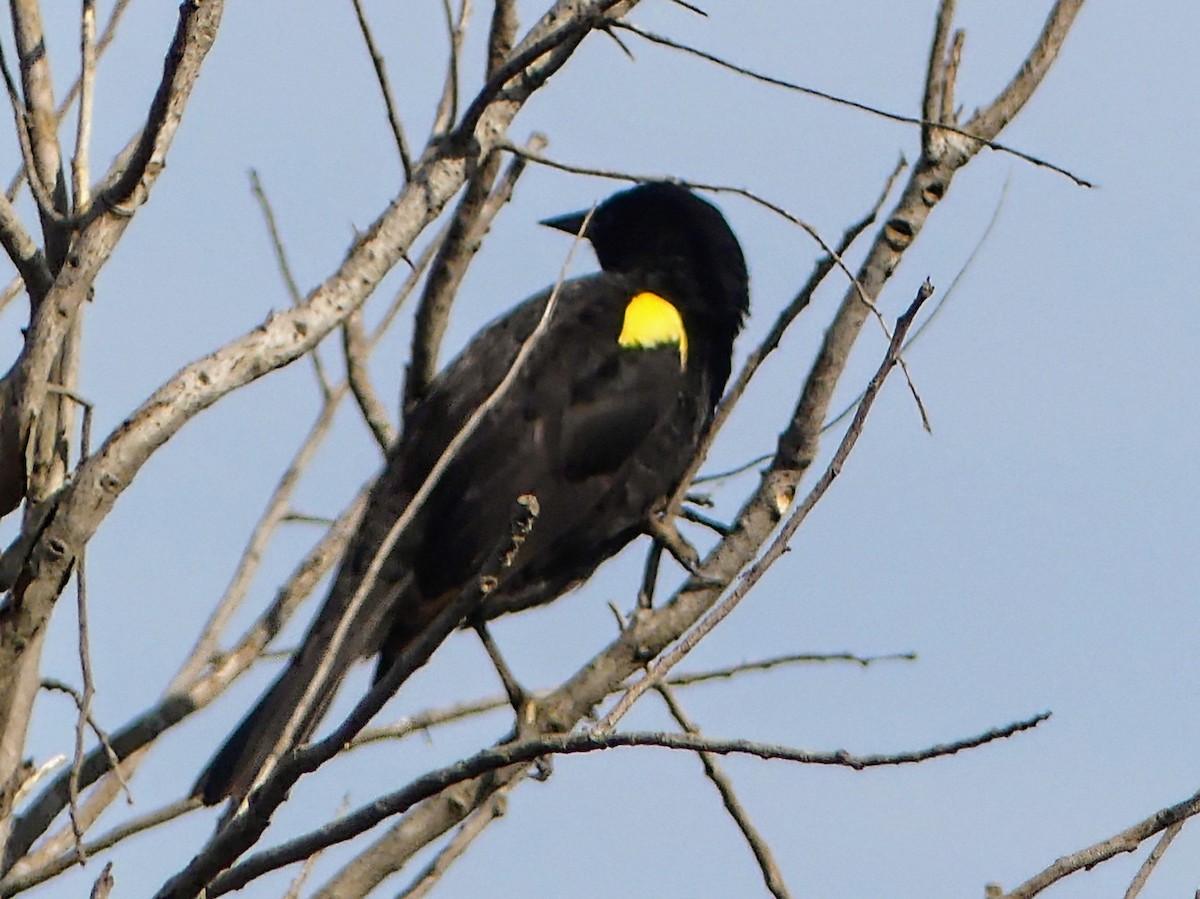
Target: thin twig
41, 193
85, 701
19, 881
385, 88
772, 876
104, 883
297, 884
424, 721
191, 693
106, 38
285, 270
481, 202
1152, 860
699, 677
85, 660
102, 736
83, 130
853, 104
476, 823
1126, 841
939, 304
355, 348
447, 108
276, 510
733, 472
938, 80
44, 161
529, 750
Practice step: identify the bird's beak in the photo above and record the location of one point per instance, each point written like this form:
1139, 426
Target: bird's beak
571, 223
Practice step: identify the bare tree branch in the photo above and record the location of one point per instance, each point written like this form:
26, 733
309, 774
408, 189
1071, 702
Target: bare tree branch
181, 701
356, 346
385, 88
104, 883
528, 750
23, 617
772, 876
44, 163
1152, 860
501, 34
1127, 840
925, 121
80, 168
480, 203
106, 38
285, 271
11, 886
447, 108
473, 827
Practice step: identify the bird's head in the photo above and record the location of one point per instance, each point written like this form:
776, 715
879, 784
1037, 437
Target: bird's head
665, 230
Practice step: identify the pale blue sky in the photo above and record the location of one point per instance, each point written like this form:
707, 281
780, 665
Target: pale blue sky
1038, 550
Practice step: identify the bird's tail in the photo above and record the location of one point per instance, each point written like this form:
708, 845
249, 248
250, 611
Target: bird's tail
236, 765
234, 769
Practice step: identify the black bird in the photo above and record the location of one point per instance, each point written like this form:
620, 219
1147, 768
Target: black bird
600, 424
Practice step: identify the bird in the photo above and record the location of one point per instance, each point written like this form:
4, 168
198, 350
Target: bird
599, 424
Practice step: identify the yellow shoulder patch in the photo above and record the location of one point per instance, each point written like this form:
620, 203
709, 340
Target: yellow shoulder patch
651, 321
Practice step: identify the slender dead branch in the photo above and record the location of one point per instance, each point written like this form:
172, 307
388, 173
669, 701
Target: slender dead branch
772, 876
699, 677
991, 119
938, 305
51, 217
80, 169
101, 45
924, 122
501, 35
478, 821
104, 883
447, 108
182, 701
40, 127
355, 347
11, 886
1127, 840
277, 507
938, 81
385, 88
285, 270
480, 203
529, 750
1152, 860
34, 274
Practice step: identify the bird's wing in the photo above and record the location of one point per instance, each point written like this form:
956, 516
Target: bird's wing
579, 410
